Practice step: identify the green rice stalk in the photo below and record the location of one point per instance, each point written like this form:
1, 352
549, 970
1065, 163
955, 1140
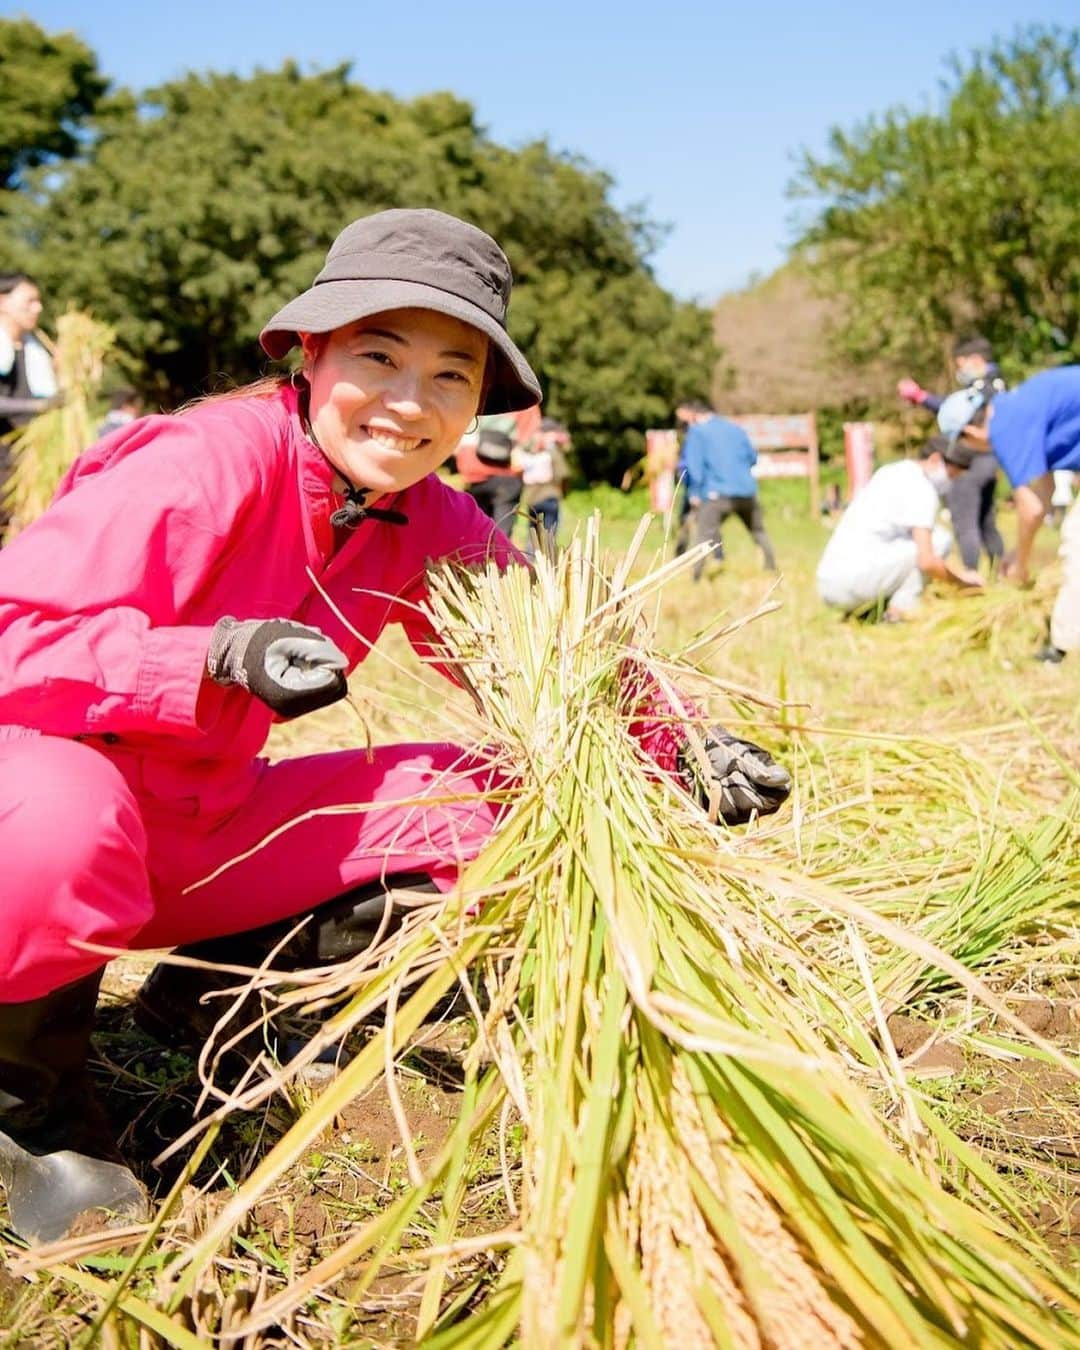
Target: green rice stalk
978, 905
704, 1155
142, 1313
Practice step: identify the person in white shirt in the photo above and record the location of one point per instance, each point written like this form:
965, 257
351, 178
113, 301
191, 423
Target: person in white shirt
887, 541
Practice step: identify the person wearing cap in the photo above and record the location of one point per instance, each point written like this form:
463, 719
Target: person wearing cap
973, 361
196, 577
887, 541
1034, 430
971, 496
544, 475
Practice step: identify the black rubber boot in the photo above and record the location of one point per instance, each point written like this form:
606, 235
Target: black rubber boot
1049, 654
58, 1157
171, 1005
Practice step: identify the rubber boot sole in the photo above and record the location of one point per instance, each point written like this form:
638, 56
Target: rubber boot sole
55, 1195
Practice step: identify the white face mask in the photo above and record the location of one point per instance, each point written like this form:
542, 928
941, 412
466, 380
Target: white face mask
939, 479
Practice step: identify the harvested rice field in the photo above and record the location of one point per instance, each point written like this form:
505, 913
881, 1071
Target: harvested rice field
644, 1081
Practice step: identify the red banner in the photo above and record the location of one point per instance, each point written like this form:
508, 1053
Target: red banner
858, 455
661, 457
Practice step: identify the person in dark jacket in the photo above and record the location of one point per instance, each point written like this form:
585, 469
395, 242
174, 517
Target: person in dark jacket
27, 379
970, 498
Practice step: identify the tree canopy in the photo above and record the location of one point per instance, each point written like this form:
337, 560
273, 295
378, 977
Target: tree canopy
49, 87
201, 206
939, 224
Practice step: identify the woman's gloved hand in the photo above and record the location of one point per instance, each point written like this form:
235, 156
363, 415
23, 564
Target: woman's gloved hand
293, 669
743, 781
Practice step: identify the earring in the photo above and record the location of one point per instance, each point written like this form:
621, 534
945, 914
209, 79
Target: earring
474, 428
298, 380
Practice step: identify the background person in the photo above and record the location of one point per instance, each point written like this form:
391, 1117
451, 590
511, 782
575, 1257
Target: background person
887, 541
27, 379
975, 367
717, 458
970, 497
1034, 430
544, 475
485, 461
124, 406
686, 414
197, 577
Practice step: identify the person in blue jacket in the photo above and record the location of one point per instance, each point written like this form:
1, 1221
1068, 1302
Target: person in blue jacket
1034, 430
716, 461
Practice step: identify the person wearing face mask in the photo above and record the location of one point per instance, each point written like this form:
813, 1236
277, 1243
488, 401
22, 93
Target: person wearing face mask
973, 361
196, 577
970, 497
887, 542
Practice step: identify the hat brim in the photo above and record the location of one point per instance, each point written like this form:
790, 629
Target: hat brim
333, 304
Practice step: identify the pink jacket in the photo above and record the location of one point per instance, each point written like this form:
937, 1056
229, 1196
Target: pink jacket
163, 527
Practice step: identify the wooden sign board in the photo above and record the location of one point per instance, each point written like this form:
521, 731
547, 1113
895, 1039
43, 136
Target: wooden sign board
787, 447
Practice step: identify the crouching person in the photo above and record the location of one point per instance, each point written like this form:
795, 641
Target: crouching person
887, 541
197, 577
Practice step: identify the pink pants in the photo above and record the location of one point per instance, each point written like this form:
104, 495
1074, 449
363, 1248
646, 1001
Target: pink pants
83, 858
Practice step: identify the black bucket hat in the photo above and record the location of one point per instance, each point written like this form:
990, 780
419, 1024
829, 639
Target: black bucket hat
418, 259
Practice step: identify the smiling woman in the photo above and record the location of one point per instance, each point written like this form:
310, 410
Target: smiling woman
391, 396
134, 702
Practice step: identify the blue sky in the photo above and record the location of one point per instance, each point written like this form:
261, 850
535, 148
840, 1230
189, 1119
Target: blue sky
697, 110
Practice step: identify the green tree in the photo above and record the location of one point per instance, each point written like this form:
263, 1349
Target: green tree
210, 201
942, 223
49, 88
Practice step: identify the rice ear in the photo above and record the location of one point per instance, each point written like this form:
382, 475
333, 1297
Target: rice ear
45, 448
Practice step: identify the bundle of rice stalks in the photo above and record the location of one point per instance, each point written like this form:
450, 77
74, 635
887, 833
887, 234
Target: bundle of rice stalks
1002, 619
705, 1157
44, 449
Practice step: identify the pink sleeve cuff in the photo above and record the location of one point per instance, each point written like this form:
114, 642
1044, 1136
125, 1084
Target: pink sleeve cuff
171, 673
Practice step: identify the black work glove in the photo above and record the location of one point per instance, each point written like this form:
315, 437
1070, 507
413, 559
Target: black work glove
292, 668
744, 780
